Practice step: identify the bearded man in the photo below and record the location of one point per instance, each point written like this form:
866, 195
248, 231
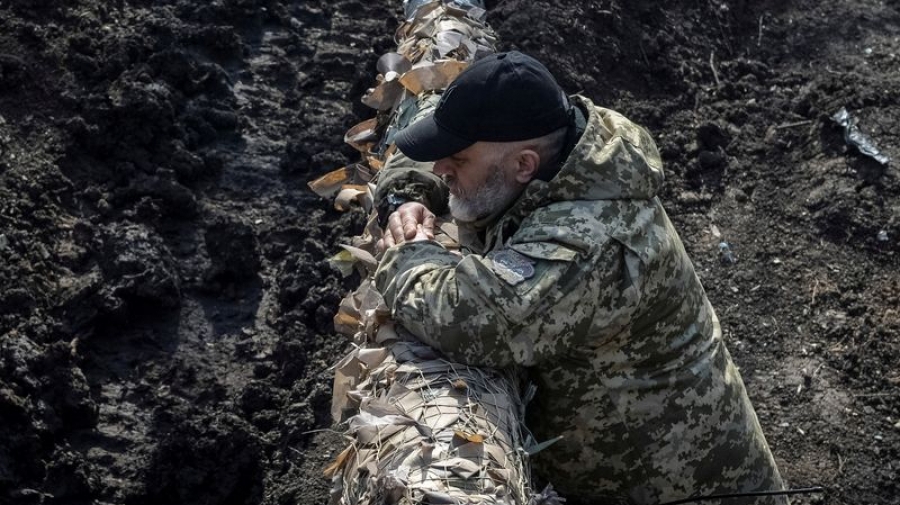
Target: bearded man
571, 269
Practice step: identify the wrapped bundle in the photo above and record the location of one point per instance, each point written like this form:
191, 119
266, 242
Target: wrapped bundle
421, 429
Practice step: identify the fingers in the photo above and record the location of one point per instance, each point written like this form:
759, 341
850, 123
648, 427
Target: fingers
413, 215
421, 234
386, 241
409, 217
411, 221
428, 224
404, 222
395, 228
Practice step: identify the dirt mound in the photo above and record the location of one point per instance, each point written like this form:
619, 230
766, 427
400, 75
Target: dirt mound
165, 304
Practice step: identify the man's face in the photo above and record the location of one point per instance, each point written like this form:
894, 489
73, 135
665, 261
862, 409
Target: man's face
480, 179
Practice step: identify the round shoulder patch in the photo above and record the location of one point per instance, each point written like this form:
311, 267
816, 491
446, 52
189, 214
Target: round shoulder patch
511, 266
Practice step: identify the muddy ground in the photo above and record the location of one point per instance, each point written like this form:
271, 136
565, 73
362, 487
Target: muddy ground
165, 305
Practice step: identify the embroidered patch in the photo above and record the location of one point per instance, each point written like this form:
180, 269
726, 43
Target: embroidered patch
511, 266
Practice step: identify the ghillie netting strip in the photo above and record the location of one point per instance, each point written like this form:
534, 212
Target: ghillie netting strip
421, 429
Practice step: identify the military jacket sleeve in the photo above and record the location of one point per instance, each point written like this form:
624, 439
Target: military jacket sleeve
411, 181
522, 304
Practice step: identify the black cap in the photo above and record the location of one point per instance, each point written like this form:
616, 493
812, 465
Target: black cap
503, 97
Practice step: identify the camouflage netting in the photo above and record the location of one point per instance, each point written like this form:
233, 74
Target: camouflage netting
422, 429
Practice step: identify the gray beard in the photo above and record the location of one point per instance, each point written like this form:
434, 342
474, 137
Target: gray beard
492, 197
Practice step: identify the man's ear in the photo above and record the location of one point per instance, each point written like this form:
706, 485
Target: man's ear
527, 163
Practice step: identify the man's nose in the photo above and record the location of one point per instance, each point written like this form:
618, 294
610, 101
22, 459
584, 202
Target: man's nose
442, 167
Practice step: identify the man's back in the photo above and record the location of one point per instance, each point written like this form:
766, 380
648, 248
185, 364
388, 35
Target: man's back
644, 393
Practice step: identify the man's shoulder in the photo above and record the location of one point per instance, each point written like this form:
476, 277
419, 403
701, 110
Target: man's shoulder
586, 217
591, 227
614, 123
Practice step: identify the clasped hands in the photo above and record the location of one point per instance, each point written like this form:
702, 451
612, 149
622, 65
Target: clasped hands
411, 222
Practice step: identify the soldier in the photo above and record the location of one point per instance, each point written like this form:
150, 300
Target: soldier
571, 269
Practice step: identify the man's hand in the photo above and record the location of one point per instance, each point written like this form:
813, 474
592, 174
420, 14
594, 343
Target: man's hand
411, 222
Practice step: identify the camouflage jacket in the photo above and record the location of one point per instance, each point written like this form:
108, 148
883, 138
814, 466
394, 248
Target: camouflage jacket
585, 282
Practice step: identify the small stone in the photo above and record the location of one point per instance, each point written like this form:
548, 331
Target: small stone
738, 195
690, 198
897, 425
103, 206
883, 236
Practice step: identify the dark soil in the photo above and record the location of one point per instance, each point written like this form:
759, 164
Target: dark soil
165, 303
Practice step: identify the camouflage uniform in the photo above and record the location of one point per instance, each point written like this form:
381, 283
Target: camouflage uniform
585, 282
